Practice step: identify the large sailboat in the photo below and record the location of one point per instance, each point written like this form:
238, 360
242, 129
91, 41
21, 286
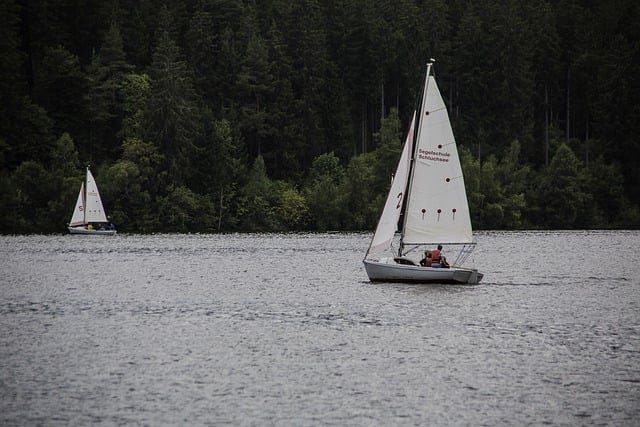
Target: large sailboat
428, 197
89, 216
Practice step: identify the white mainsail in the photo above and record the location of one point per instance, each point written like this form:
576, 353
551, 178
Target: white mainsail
94, 211
388, 222
78, 212
437, 209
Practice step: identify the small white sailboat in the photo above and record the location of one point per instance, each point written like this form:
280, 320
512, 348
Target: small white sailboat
428, 191
89, 216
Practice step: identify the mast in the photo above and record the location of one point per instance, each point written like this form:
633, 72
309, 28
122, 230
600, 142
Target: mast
413, 157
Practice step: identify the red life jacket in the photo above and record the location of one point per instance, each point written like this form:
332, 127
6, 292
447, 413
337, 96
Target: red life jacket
435, 255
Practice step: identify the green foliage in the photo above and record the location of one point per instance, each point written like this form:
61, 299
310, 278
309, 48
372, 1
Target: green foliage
605, 183
278, 115
181, 211
123, 193
255, 84
323, 193
148, 160
12, 219
559, 191
65, 178
106, 76
25, 128
64, 157
172, 115
475, 197
388, 150
326, 166
135, 92
361, 202
132, 186
34, 186
255, 211
496, 189
60, 89
291, 210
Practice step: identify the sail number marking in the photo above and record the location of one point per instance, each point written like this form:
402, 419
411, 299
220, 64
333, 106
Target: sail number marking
399, 200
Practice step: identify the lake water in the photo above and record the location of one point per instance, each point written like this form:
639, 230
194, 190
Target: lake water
272, 329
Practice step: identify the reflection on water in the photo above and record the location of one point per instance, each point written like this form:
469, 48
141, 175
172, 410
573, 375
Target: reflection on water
286, 329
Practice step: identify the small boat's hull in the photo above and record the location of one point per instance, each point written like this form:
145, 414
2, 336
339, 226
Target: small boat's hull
95, 232
394, 272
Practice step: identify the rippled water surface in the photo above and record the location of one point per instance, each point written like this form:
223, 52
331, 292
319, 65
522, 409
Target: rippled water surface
287, 330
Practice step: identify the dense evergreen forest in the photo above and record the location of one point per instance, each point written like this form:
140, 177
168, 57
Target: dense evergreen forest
240, 115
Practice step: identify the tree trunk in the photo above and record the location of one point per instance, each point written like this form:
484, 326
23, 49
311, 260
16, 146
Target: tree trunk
586, 143
546, 125
568, 103
363, 127
382, 101
220, 215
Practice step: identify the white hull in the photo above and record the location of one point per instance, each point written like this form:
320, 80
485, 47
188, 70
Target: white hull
82, 230
394, 272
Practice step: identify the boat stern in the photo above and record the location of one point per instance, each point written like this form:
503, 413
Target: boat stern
470, 276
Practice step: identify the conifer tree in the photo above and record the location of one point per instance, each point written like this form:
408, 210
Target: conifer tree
172, 115
106, 76
60, 89
25, 128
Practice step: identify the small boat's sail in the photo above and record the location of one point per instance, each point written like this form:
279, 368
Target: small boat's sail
436, 209
94, 209
78, 213
388, 222
89, 216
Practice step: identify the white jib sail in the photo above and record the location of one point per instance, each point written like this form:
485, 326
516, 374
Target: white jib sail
437, 210
78, 212
94, 209
391, 213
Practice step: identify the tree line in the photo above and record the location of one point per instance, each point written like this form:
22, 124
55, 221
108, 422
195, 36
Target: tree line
237, 115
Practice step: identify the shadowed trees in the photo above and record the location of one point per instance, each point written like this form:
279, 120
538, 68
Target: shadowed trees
228, 115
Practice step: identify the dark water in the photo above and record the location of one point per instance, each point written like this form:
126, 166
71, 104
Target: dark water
286, 330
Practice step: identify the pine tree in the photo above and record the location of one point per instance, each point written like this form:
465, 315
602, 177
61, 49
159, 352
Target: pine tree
255, 86
60, 89
106, 75
172, 115
25, 128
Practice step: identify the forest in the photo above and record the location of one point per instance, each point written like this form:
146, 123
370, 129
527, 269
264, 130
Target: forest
277, 115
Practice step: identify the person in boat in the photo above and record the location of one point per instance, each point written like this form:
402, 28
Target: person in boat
89, 226
427, 261
436, 254
438, 259
110, 225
